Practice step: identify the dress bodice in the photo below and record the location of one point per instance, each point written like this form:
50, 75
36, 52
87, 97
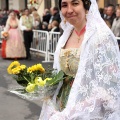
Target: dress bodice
69, 59
13, 25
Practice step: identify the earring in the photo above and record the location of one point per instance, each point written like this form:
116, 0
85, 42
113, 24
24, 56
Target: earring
64, 21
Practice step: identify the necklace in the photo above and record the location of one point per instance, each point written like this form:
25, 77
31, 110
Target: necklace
80, 33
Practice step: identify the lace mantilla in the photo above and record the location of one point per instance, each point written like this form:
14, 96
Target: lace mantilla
95, 93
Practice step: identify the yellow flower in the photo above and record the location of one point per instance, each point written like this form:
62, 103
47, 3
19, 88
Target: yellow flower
16, 70
40, 67
39, 81
30, 87
47, 79
23, 67
29, 70
34, 68
9, 70
37, 67
12, 66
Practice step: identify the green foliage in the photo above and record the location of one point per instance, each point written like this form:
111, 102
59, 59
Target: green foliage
56, 79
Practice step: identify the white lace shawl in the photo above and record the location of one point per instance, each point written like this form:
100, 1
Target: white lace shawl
95, 94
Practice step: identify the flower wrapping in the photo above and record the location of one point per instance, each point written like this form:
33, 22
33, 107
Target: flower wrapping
4, 34
35, 82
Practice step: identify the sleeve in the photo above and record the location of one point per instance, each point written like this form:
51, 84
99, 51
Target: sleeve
99, 88
22, 27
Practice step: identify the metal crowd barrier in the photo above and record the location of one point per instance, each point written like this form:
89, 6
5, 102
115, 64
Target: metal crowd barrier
40, 42
52, 43
45, 42
50, 39
118, 38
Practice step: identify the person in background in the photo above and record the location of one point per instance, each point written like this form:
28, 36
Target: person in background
116, 25
44, 26
117, 6
13, 47
52, 38
26, 25
46, 16
49, 27
17, 13
4, 18
110, 15
101, 10
37, 21
108, 23
21, 13
55, 26
104, 12
55, 14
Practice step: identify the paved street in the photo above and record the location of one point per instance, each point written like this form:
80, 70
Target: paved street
13, 107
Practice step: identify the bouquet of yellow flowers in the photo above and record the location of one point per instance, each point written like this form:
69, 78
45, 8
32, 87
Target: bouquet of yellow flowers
33, 79
5, 34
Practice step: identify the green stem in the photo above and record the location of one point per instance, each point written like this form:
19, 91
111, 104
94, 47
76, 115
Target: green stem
26, 79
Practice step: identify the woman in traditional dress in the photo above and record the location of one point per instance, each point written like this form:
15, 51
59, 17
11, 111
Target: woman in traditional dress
88, 52
13, 45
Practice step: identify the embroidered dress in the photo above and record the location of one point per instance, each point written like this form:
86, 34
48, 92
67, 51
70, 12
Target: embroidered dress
13, 47
95, 92
69, 59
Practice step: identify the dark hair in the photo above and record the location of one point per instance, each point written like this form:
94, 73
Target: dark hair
12, 11
111, 5
56, 8
86, 4
26, 9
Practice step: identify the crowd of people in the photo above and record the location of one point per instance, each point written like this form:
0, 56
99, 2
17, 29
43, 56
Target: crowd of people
19, 25
111, 15
28, 19
87, 52
49, 21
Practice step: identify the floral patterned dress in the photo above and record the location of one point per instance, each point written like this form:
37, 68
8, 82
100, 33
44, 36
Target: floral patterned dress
69, 59
13, 47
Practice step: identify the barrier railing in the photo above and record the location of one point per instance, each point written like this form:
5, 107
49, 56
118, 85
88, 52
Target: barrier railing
44, 42
51, 39
118, 38
40, 42
52, 43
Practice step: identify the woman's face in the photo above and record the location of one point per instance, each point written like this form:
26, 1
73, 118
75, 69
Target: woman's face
12, 15
118, 13
73, 11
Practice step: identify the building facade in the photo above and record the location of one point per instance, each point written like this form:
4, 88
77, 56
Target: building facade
21, 4
102, 3
13, 4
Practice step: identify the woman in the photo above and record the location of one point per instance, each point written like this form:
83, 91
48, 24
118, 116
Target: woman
116, 24
37, 21
88, 52
55, 26
13, 47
